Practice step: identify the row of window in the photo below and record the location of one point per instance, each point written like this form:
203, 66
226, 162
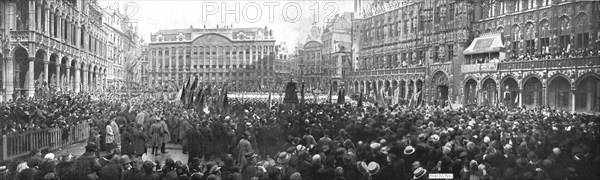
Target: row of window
219, 66
158, 75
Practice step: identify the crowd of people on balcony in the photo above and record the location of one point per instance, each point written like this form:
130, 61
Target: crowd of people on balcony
572, 53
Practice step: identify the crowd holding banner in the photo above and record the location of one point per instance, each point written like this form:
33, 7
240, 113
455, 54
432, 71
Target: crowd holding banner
256, 138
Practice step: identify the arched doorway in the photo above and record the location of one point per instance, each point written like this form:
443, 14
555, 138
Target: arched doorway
82, 77
411, 85
402, 85
510, 92
489, 93
440, 83
356, 90
94, 83
419, 91
38, 69
559, 94
470, 93
63, 82
73, 84
587, 94
21, 66
532, 93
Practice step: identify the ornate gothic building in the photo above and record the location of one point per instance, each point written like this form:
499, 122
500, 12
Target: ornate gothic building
544, 53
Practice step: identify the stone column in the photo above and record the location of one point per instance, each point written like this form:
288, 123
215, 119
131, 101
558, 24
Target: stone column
9, 61
406, 90
68, 76
177, 70
77, 79
184, 50
57, 80
520, 97
545, 96
84, 78
46, 61
573, 99
244, 57
30, 78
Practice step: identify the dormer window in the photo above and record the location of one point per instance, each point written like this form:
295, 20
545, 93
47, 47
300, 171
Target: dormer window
180, 37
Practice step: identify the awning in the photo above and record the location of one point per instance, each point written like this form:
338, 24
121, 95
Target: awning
485, 44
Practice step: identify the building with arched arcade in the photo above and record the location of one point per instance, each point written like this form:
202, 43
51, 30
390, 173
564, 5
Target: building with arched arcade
551, 56
409, 49
544, 53
60, 43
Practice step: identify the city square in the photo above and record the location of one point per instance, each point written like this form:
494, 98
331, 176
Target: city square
299, 90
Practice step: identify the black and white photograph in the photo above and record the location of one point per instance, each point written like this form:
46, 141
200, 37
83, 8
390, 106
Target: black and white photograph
299, 89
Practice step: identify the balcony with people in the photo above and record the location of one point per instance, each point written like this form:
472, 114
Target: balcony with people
484, 53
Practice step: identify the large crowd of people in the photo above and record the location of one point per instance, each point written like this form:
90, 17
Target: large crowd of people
321, 141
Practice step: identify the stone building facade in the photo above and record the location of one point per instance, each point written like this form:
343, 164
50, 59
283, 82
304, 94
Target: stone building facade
410, 49
242, 57
124, 49
61, 43
552, 55
325, 57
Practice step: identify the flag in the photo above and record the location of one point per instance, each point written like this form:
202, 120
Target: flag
190, 92
183, 92
198, 97
360, 97
179, 94
224, 99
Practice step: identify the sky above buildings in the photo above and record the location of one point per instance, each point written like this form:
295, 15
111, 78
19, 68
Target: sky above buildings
290, 20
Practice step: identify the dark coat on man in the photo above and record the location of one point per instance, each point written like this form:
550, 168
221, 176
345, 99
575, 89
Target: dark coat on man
85, 165
127, 142
133, 174
208, 143
112, 170
139, 141
194, 142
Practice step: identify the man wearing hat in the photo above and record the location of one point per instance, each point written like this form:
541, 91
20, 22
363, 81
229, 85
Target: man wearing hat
244, 147
65, 164
249, 169
87, 164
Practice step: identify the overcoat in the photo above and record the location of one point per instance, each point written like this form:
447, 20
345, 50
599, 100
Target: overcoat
156, 134
194, 140
166, 137
127, 142
184, 127
138, 142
